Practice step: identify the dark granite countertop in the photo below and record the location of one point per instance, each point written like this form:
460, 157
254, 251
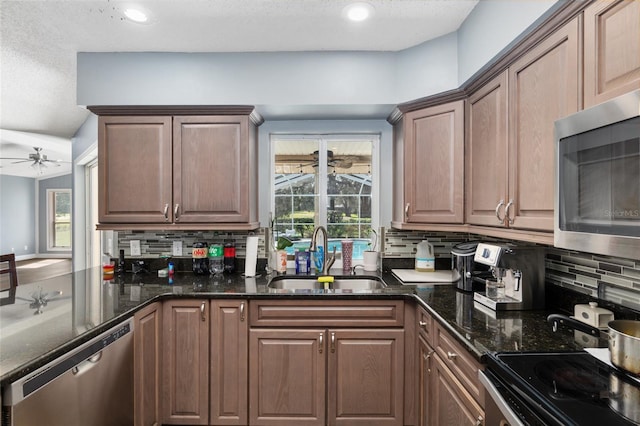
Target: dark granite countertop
88, 306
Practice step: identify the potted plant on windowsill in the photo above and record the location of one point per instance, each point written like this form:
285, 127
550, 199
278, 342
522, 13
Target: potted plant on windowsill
370, 256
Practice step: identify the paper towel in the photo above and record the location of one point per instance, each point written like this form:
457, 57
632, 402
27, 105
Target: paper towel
251, 257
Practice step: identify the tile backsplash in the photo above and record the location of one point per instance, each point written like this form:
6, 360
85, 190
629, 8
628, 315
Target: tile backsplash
614, 279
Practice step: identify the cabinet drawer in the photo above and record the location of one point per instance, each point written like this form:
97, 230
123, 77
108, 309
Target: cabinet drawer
425, 325
460, 362
336, 313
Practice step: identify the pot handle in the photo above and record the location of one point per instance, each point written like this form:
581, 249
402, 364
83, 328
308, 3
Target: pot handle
558, 319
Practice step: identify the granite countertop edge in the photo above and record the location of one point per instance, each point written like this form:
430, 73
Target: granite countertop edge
234, 288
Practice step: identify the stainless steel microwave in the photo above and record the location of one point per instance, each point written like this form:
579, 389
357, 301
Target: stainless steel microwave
597, 191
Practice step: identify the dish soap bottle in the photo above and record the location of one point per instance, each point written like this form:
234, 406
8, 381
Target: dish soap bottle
425, 259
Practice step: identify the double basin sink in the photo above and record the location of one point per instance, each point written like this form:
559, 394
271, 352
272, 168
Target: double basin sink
341, 283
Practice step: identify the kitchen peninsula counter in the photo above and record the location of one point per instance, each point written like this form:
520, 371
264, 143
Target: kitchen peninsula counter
88, 306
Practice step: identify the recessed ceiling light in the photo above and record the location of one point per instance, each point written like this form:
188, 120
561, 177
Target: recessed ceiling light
136, 15
358, 12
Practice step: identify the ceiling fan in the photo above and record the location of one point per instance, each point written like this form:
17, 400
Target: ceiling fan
38, 160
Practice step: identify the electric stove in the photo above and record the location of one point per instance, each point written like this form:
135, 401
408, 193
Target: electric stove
562, 388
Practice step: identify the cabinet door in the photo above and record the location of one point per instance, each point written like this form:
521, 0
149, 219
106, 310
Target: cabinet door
450, 403
134, 169
611, 50
434, 164
229, 362
287, 377
211, 169
185, 362
424, 375
147, 365
365, 377
486, 170
544, 85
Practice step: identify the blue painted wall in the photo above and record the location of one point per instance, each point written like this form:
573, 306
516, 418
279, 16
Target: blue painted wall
17, 215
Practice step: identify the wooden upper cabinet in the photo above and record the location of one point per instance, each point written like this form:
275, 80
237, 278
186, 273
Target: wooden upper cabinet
211, 169
134, 169
431, 165
487, 173
611, 50
178, 170
544, 85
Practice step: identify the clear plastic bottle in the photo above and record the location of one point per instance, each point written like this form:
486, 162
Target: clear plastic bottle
216, 259
425, 258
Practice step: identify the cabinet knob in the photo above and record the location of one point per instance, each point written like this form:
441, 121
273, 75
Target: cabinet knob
333, 342
406, 212
479, 421
166, 212
320, 342
500, 204
422, 323
242, 311
452, 355
506, 212
176, 209
202, 315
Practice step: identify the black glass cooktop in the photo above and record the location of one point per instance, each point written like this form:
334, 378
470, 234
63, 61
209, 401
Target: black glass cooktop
569, 388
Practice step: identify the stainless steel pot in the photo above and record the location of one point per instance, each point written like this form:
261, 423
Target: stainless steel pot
624, 339
624, 345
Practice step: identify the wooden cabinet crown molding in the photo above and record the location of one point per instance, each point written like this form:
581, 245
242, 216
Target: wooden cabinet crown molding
249, 110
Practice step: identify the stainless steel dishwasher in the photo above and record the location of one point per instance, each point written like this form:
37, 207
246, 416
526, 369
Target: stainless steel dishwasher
90, 385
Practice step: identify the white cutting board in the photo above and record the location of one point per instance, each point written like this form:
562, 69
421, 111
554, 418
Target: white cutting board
411, 276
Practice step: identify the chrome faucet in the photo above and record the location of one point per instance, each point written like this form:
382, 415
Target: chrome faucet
326, 261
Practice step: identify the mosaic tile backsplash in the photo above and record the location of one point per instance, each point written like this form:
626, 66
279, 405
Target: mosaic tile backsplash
613, 279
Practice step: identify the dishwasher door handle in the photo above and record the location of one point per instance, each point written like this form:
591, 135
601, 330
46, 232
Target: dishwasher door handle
86, 365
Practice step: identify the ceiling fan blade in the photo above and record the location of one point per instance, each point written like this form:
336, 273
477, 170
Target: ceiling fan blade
56, 161
13, 158
22, 161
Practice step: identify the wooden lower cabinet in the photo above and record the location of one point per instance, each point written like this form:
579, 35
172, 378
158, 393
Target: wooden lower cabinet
185, 363
229, 362
147, 343
450, 403
326, 376
425, 353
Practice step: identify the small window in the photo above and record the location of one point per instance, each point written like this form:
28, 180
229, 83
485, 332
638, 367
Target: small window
59, 219
326, 180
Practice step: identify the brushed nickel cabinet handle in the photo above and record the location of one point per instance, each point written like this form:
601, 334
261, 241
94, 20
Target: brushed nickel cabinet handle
500, 204
406, 212
176, 209
452, 356
422, 323
506, 212
202, 315
242, 311
428, 358
321, 342
166, 212
333, 342
479, 421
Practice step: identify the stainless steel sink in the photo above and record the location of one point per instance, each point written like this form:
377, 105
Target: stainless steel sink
339, 283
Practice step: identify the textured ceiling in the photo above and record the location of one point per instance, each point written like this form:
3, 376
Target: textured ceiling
39, 41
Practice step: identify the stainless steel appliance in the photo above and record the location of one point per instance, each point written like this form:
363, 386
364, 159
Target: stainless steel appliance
468, 271
561, 388
597, 193
520, 269
90, 385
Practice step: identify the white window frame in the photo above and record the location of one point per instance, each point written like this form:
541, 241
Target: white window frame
324, 140
51, 219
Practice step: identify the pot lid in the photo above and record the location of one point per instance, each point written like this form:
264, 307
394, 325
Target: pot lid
464, 249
